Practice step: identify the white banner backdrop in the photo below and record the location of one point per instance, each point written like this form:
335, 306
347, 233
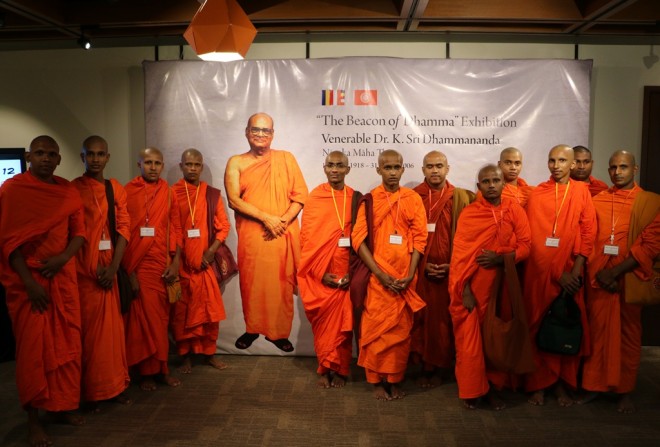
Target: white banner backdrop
468, 109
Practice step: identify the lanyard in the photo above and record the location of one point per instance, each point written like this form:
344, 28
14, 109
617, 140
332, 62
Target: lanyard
148, 203
192, 208
614, 222
557, 211
431, 208
342, 220
516, 191
497, 223
98, 207
396, 220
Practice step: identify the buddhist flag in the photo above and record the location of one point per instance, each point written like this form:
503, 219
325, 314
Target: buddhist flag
333, 97
366, 97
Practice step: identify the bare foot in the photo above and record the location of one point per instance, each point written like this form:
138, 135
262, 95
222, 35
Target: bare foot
470, 404
625, 404
537, 398
216, 363
37, 437
495, 402
587, 398
429, 379
324, 381
338, 381
563, 398
381, 393
171, 381
148, 384
92, 407
396, 392
66, 418
186, 366
423, 381
123, 399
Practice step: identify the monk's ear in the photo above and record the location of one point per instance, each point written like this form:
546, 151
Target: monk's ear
59, 159
82, 157
348, 169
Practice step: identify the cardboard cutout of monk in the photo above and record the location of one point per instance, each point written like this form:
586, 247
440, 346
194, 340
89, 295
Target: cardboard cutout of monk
323, 277
41, 229
266, 190
433, 336
105, 371
515, 187
563, 223
196, 317
487, 229
400, 234
616, 330
582, 171
155, 222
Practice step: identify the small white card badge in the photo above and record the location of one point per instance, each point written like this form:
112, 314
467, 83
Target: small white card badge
105, 244
552, 242
344, 242
430, 227
147, 231
612, 250
193, 233
396, 239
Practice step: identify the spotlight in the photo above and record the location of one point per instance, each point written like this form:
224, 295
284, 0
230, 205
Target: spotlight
84, 43
651, 59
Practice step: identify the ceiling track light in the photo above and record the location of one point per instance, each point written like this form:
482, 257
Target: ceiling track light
83, 41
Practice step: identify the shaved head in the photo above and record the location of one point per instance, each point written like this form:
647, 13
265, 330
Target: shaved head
628, 156
487, 170
435, 154
510, 151
389, 153
44, 140
622, 169
94, 139
261, 115
335, 155
150, 151
491, 183
192, 152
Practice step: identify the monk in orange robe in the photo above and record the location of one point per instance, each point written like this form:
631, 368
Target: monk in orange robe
433, 337
196, 317
41, 229
399, 223
323, 276
266, 189
582, 171
515, 187
616, 330
489, 228
104, 367
154, 213
563, 223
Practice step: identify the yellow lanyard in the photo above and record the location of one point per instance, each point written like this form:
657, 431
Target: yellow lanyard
342, 220
98, 207
614, 222
431, 208
192, 208
557, 211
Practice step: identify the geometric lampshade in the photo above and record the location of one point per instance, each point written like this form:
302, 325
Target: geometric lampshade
220, 31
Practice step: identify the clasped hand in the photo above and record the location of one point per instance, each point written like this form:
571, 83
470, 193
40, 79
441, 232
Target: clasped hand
332, 280
392, 284
275, 227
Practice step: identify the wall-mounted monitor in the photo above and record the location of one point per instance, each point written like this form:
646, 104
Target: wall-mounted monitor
12, 162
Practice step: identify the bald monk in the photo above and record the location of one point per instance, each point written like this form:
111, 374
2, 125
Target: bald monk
433, 338
489, 228
515, 187
154, 212
266, 189
582, 171
616, 330
196, 317
399, 223
563, 223
105, 371
41, 229
323, 276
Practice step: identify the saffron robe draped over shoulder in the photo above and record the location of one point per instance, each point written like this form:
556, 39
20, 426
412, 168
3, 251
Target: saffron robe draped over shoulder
519, 193
481, 226
432, 336
147, 320
616, 329
328, 309
576, 230
596, 186
268, 267
48, 344
197, 315
388, 317
104, 367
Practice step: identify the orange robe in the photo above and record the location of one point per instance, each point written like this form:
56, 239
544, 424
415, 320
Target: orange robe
328, 309
196, 317
48, 346
387, 318
478, 231
576, 229
596, 186
268, 268
105, 371
616, 330
519, 193
147, 321
432, 336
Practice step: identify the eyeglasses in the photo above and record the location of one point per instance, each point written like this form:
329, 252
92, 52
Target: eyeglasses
261, 130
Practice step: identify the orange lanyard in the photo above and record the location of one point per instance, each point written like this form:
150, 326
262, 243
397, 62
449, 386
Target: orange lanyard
557, 211
192, 208
98, 207
149, 203
342, 220
431, 208
614, 222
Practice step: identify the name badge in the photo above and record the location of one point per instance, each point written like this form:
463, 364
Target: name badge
104, 244
194, 232
612, 250
344, 242
396, 239
430, 227
147, 231
552, 242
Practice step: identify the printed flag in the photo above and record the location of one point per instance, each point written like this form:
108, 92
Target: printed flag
366, 97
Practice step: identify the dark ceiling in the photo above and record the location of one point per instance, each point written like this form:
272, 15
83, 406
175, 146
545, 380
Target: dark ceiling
32, 24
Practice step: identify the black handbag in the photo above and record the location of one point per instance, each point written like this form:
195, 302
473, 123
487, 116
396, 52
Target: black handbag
561, 327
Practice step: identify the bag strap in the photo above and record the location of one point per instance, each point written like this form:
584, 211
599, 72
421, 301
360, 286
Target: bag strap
110, 197
212, 197
167, 235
